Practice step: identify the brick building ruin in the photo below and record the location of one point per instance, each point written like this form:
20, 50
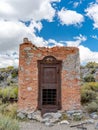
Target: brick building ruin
49, 78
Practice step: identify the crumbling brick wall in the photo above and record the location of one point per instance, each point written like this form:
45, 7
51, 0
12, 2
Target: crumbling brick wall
28, 75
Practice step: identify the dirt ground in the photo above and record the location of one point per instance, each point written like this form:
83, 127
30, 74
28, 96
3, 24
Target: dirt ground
33, 125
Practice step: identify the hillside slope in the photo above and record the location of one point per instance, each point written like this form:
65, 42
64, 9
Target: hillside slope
8, 76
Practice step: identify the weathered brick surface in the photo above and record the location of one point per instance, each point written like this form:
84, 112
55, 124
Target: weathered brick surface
28, 75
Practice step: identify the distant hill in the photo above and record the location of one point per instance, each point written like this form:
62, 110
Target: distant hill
88, 72
8, 76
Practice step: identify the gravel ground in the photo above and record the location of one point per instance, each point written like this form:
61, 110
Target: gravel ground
33, 125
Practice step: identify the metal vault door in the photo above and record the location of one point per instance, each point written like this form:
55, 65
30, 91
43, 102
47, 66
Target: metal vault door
49, 84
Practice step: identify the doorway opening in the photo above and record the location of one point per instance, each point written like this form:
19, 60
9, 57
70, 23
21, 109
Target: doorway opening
49, 95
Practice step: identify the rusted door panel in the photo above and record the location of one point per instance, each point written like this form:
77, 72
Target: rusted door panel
49, 86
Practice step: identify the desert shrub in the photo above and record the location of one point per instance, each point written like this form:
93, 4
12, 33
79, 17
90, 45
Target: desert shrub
14, 93
14, 73
92, 65
5, 93
89, 78
82, 67
3, 108
1, 78
77, 117
90, 86
89, 92
64, 116
10, 67
93, 70
6, 123
8, 93
0, 102
2, 69
9, 109
87, 96
92, 107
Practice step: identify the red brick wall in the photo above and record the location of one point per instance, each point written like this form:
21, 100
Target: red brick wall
28, 75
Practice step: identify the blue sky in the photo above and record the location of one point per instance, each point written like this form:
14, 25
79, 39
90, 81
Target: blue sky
66, 33
48, 23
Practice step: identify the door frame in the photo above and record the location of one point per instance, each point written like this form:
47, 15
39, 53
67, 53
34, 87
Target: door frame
49, 60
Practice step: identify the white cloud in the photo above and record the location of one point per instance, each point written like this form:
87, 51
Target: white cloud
9, 59
55, 0
35, 25
6, 8
92, 13
75, 4
27, 9
52, 42
77, 41
69, 17
11, 35
12, 31
86, 55
95, 37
